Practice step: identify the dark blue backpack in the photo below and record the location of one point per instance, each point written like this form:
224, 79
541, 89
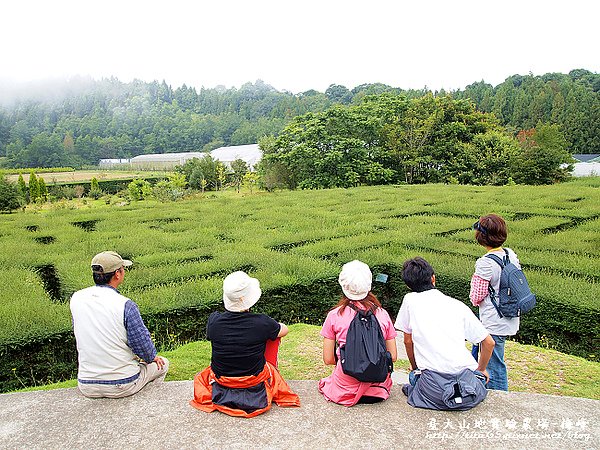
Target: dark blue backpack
364, 356
514, 296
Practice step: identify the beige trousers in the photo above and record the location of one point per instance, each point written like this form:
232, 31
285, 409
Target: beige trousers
148, 373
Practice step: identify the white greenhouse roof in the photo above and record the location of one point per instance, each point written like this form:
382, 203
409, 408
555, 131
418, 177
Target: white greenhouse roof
249, 153
167, 157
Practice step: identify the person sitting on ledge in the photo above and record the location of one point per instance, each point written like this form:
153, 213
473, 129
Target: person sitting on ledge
355, 280
242, 379
444, 375
111, 335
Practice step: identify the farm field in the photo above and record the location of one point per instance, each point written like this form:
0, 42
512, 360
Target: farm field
295, 243
85, 175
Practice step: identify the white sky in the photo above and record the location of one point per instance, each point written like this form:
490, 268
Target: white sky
298, 45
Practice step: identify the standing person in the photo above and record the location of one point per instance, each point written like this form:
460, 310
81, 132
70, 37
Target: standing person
491, 232
444, 375
355, 280
242, 379
116, 355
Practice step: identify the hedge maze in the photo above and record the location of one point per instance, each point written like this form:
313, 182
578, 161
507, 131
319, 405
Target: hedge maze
295, 243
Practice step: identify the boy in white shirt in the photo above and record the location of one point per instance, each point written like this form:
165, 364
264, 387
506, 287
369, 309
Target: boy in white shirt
435, 328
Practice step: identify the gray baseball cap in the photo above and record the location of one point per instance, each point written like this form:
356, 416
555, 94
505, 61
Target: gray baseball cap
110, 261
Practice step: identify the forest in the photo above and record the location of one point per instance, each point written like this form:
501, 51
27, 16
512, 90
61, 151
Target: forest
81, 121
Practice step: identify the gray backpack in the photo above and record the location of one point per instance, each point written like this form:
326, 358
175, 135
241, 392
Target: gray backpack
514, 296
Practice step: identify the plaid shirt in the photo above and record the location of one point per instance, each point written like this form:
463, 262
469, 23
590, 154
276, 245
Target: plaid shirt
479, 289
138, 336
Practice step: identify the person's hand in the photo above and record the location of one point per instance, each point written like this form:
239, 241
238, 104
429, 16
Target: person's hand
486, 375
159, 362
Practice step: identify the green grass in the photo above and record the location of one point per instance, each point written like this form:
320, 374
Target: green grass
531, 369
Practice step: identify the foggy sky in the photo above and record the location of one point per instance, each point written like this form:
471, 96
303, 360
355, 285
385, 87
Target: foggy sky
294, 46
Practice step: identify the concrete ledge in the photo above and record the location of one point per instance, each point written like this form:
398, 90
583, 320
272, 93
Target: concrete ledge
160, 417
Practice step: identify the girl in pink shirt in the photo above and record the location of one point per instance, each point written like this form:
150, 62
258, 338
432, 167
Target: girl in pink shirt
355, 280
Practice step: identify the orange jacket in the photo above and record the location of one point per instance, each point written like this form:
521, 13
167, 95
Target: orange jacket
276, 388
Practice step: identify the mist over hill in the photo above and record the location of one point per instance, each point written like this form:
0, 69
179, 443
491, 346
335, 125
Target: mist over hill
76, 122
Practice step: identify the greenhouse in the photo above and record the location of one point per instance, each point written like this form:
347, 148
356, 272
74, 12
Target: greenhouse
250, 153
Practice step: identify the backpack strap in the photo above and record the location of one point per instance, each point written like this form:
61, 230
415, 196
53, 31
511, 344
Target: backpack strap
336, 344
506, 258
491, 290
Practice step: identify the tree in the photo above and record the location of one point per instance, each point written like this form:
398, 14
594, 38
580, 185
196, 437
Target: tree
221, 174
22, 188
34, 188
250, 180
493, 154
544, 158
338, 93
43, 189
412, 133
10, 198
239, 168
95, 191
201, 173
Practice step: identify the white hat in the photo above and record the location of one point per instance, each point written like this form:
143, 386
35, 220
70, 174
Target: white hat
240, 292
355, 280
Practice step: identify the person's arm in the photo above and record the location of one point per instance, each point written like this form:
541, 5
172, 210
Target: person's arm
390, 346
479, 289
486, 348
283, 330
138, 336
329, 351
410, 350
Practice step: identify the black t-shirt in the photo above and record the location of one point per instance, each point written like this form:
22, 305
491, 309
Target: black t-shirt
238, 342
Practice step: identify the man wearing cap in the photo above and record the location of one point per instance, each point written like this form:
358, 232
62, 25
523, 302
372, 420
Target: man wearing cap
116, 355
242, 379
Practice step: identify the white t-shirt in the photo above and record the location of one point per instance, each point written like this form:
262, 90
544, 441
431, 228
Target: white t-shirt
490, 270
439, 326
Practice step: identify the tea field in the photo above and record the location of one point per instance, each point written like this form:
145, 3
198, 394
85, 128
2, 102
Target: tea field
295, 243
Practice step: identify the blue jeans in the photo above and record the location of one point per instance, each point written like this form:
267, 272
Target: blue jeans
414, 375
496, 367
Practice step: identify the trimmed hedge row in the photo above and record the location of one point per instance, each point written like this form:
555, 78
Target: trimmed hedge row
295, 243
106, 186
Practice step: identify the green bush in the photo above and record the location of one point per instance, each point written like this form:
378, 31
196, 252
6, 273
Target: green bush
10, 198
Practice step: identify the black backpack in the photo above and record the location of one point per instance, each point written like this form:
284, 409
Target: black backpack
364, 355
514, 296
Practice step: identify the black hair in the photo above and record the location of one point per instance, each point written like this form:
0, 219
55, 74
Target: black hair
417, 274
101, 278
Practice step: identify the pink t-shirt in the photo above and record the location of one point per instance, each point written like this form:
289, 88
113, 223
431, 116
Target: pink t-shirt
339, 387
336, 325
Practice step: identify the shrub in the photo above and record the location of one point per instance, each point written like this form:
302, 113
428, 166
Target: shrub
95, 191
139, 189
10, 199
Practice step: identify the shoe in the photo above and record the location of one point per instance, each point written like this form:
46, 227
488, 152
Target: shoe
405, 389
